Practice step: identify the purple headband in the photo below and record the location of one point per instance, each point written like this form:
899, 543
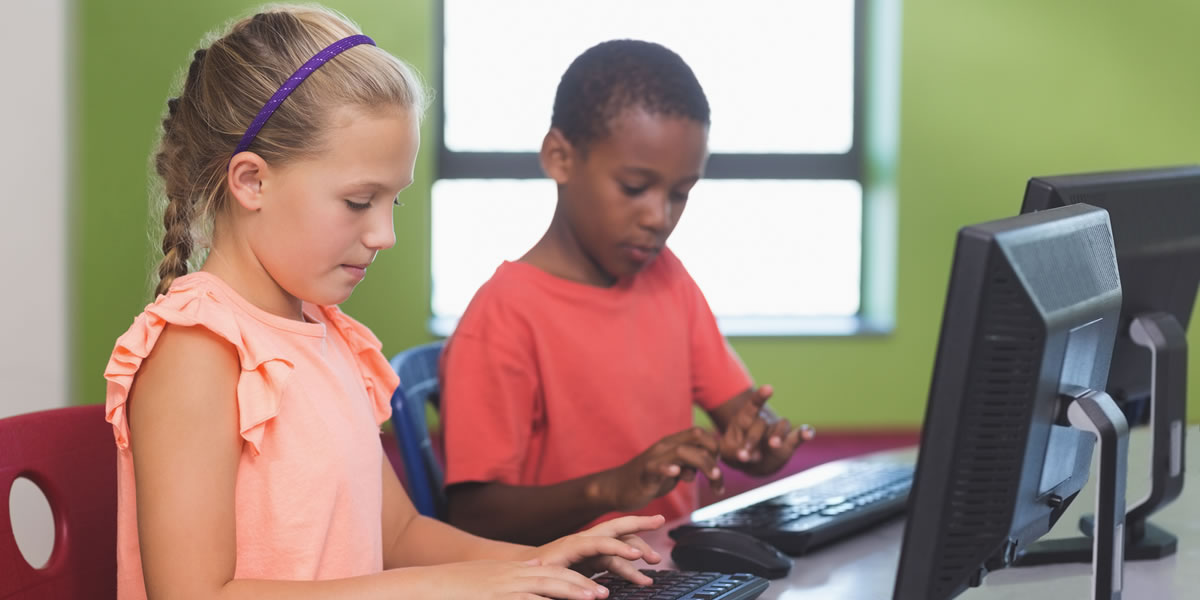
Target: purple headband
300, 75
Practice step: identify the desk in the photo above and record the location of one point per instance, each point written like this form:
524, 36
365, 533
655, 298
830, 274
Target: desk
864, 567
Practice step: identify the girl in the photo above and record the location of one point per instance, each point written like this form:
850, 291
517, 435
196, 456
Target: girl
245, 405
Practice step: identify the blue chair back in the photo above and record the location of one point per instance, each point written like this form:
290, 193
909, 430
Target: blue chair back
418, 371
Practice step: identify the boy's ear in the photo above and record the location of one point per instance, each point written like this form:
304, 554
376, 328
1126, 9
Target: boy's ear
557, 156
246, 173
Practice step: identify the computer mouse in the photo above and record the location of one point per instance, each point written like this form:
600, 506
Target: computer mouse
729, 551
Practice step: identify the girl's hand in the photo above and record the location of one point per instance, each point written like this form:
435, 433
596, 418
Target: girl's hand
507, 580
609, 546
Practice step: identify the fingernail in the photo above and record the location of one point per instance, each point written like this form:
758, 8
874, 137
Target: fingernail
716, 473
601, 590
775, 442
744, 454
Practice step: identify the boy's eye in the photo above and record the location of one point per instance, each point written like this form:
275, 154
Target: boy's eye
630, 190
357, 205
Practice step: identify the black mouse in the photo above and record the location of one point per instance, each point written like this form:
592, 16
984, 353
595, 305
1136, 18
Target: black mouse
729, 551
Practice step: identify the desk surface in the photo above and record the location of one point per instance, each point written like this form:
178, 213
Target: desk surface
864, 566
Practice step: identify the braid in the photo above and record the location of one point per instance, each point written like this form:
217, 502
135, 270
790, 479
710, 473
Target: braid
177, 241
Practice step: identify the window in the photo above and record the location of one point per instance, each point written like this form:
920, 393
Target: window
784, 188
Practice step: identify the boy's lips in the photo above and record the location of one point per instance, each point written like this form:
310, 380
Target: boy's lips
639, 253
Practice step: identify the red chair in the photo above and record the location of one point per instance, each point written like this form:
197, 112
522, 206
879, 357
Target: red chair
69, 453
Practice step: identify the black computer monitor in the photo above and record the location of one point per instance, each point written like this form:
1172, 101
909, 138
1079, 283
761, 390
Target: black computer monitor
1155, 218
1017, 402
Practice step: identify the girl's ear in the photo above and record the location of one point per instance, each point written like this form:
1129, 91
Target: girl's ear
557, 156
246, 173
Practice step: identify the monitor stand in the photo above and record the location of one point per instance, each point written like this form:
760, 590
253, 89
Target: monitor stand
1096, 413
1167, 342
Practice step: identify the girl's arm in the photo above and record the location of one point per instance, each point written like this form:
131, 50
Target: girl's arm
413, 539
185, 444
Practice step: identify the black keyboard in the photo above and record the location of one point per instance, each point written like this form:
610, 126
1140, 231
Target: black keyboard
685, 585
826, 504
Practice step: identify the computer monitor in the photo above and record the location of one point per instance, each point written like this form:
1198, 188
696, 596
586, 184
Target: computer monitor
1155, 219
1017, 403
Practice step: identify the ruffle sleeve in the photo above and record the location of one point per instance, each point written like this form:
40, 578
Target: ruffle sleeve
380, 380
190, 304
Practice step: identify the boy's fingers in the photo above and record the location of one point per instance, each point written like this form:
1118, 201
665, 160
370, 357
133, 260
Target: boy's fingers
668, 470
699, 460
733, 437
778, 433
765, 391
705, 439
753, 437
687, 474
807, 432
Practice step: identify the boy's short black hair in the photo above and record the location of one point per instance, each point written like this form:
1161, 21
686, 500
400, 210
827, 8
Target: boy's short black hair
619, 74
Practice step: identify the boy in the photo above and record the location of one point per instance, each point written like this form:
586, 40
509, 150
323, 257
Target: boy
568, 385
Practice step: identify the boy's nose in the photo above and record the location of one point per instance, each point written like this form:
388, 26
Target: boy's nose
656, 213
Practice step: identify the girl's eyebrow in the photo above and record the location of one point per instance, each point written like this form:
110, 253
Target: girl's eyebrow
366, 186
373, 186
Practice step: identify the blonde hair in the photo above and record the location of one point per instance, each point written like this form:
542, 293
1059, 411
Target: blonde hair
227, 84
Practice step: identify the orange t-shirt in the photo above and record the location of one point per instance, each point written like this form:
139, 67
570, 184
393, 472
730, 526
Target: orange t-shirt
310, 398
547, 379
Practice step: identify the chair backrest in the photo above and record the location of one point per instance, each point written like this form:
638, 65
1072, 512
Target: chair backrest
418, 371
69, 454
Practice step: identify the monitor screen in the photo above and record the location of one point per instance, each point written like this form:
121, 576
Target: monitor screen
1030, 315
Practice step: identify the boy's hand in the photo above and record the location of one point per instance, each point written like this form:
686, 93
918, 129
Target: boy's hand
609, 546
655, 471
756, 440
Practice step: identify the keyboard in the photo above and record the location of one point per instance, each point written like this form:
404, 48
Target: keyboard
816, 507
685, 585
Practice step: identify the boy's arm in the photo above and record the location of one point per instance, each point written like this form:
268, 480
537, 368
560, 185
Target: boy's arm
537, 514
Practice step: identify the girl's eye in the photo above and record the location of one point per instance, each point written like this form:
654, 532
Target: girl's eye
396, 201
358, 205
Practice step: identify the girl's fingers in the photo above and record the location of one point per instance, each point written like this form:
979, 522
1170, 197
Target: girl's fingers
648, 554
627, 525
555, 582
627, 571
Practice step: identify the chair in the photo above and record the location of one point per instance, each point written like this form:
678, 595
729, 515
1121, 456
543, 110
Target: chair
418, 371
69, 454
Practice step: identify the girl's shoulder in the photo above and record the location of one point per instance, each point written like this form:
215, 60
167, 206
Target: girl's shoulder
200, 300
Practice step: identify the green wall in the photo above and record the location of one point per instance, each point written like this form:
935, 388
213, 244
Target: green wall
991, 94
